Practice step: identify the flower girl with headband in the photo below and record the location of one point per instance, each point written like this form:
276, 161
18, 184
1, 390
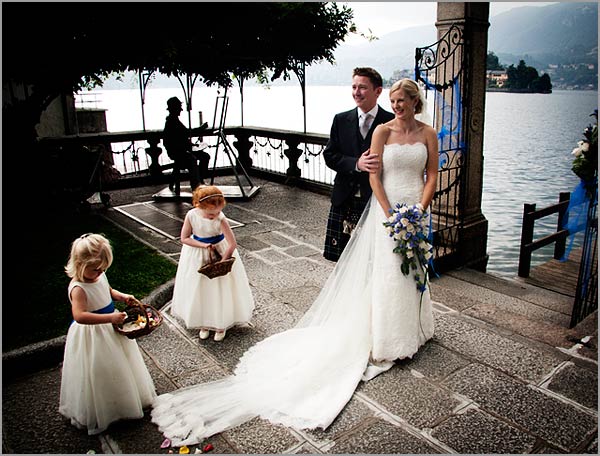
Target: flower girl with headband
104, 377
219, 303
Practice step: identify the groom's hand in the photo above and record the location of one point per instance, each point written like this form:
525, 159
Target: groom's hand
368, 162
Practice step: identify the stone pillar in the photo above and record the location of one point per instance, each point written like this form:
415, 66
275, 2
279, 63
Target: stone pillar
472, 18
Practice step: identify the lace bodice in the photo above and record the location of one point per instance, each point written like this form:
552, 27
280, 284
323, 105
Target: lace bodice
403, 166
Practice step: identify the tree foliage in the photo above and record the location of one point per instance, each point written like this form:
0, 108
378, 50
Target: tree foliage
68, 46
526, 78
57, 48
492, 62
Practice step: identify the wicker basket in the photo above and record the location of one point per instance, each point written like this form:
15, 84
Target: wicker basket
141, 319
217, 267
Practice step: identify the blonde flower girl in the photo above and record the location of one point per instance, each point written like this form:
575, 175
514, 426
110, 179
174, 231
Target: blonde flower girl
104, 377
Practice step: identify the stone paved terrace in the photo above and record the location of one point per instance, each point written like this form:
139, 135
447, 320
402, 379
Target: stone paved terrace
503, 373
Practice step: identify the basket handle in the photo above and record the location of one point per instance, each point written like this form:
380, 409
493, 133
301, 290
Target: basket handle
137, 302
215, 256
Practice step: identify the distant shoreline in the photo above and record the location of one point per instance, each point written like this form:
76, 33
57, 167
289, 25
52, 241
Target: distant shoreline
494, 89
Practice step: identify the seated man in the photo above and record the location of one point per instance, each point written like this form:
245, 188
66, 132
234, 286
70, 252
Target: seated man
179, 147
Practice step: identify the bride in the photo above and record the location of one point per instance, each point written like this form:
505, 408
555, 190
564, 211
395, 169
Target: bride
367, 315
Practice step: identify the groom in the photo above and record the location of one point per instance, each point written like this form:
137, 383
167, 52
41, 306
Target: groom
347, 153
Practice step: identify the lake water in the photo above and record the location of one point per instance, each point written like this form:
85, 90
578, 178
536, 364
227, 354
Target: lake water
527, 143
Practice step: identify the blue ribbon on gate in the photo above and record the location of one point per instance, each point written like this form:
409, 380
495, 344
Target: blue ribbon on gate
576, 216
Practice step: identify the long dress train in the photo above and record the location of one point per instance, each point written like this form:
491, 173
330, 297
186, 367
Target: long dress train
367, 315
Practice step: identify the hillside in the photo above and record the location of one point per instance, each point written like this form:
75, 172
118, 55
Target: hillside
563, 33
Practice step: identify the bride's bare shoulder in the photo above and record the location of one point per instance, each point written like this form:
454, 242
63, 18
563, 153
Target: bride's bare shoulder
382, 130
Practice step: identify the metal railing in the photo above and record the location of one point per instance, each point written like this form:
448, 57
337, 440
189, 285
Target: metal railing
528, 245
140, 158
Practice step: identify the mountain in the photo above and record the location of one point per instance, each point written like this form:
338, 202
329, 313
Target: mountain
563, 33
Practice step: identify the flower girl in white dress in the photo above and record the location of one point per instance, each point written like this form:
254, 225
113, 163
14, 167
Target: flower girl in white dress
104, 377
219, 303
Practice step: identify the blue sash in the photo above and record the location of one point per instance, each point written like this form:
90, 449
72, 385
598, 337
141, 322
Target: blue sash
110, 308
210, 240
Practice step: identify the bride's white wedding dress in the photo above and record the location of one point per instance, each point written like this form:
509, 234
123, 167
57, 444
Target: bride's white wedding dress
367, 315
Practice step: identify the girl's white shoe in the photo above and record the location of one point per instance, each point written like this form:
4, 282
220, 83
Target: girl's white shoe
219, 336
203, 334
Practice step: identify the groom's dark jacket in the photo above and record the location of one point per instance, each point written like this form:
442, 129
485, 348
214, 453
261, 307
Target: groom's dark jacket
342, 151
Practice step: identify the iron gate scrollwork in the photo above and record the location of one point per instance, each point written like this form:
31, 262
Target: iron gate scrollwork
440, 69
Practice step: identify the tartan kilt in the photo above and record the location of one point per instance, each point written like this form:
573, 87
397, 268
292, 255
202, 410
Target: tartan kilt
335, 238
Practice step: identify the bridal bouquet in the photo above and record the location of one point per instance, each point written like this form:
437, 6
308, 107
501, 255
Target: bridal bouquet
409, 226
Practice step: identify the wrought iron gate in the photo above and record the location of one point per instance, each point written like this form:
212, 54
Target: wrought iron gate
440, 67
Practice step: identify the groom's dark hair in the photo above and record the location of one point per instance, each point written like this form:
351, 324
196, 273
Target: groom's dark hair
370, 73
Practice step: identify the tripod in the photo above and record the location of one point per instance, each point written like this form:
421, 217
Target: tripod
221, 105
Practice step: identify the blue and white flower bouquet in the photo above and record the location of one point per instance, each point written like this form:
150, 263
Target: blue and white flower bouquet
409, 227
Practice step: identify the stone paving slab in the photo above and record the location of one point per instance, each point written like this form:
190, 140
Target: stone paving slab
275, 239
486, 347
271, 277
543, 416
413, 399
272, 315
435, 362
478, 432
381, 437
528, 326
478, 294
518, 289
353, 415
182, 356
315, 272
260, 437
577, 383
300, 298
303, 250
271, 256
31, 422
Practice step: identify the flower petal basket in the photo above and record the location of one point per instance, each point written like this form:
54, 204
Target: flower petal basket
141, 320
217, 267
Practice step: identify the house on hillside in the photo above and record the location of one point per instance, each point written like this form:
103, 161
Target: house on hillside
496, 78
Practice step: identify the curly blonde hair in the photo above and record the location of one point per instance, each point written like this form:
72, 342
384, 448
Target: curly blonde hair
411, 88
208, 197
89, 249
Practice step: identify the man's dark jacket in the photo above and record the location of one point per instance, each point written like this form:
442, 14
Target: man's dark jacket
342, 151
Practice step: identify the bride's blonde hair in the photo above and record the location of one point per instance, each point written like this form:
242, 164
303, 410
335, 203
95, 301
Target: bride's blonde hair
411, 88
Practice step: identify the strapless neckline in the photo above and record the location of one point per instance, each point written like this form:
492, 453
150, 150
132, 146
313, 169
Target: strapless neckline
418, 143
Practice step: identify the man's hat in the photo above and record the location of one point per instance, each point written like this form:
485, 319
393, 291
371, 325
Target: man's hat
173, 102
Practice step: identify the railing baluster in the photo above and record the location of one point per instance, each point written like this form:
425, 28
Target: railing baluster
526, 240
560, 245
